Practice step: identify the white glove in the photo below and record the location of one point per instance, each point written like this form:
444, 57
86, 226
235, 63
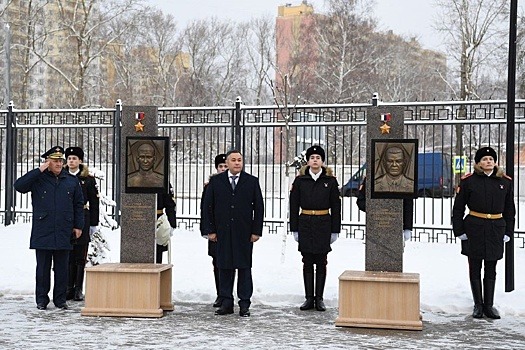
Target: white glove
333, 238
407, 234
463, 237
506, 239
296, 236
92, 230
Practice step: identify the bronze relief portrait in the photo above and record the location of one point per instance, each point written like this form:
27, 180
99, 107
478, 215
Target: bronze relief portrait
394, 170
147, 164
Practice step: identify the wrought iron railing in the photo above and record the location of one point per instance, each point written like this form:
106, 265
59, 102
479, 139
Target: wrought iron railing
268, 143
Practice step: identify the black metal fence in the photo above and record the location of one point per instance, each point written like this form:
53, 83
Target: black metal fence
268, 141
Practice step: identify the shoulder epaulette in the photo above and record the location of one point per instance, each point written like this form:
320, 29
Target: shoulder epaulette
466, 176
507, 177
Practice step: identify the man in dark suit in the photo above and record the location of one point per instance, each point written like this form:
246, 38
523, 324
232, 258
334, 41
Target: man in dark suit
233, 217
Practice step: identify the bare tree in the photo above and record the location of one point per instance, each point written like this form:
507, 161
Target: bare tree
520, 60
125, 66
83, 26
347, 53
475, 38
217, 64
163, 57
259, 47
25, 22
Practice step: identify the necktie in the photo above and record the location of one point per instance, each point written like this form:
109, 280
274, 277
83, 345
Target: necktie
234, 177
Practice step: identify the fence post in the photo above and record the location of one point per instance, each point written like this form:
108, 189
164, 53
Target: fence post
117, 123
10, 153
375, 99
237, 124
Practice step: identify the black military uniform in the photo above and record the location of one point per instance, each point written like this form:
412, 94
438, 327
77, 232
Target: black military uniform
166, 203
490, 199
315, 213
212, 246
78, 256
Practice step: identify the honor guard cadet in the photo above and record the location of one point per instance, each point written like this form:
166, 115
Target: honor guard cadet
220, 166
489, 196
78, 256
315, 220
58, 218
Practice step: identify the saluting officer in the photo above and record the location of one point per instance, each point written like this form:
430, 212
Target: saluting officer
489, 223
315, 220
78, 256
57, 218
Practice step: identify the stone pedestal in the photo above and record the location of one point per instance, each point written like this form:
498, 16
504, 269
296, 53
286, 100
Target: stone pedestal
128, 290
135, 287
379, 300
137, 222
374, 298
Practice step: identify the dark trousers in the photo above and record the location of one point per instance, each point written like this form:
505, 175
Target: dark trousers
78, 256
474, 266
244, 287
160, 249
60, 259
319, 260
77, 262
216, 273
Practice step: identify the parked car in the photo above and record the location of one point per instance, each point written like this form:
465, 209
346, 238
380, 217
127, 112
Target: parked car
434, 177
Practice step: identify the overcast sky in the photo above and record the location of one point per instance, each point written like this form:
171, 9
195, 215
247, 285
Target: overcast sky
405, 17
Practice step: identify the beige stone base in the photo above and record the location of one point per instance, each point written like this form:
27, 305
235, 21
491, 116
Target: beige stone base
128, 290
369, 299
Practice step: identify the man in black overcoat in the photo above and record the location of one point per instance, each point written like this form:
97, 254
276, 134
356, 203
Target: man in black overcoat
233, 213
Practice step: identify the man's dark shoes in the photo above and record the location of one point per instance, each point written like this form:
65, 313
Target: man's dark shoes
78, 295
70, 294
478, 311
244, 313
319, 304
217, 302
224, 311
62, 306
308, 304
41, 306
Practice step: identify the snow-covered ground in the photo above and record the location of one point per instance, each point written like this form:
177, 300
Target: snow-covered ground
446, 302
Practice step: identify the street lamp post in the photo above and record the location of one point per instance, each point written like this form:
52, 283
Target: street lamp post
511, 102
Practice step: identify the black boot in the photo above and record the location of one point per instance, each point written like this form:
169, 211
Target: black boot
320, 279
79, 283
218, 301
308, 278
72, 275
488, 291
475, 285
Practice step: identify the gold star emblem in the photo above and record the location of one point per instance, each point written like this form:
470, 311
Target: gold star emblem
385, 129
139, 127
